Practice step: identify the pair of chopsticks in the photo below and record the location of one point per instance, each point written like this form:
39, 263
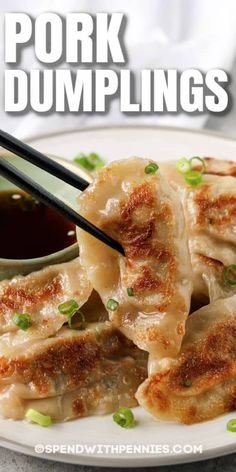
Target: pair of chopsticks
27, 184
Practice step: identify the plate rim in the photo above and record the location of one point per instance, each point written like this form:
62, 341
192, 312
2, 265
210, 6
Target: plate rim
131, 125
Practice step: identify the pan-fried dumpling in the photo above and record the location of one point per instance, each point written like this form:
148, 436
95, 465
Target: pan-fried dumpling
150, 288
213, 166
75, 373
211, 215
39, 294
221, 167
210, 212
200, 383
208, 278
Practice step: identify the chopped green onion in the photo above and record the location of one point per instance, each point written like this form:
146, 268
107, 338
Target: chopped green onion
112, 304
90, 161
229, 275
231, 426
187, 383
151, 168
193, 177
39, 418
99, 165
183, 165
196, 158
77, 321
71, 308
68, 307
130, 291
124, 418
22, 320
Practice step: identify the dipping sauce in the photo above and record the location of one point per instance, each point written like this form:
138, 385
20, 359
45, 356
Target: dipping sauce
29, 229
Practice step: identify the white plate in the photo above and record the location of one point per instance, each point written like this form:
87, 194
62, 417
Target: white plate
116, 143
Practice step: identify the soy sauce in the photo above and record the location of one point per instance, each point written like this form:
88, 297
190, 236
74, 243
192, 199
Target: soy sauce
29, 229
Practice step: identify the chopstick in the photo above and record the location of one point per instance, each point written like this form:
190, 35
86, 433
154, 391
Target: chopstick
35, 157
18, 178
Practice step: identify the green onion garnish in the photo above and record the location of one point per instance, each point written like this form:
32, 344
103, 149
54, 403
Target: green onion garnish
193, 177
22, 320
130, 291
112, 304
187, 383
183, 165
196, 158
231, 426
70, 308
99, 165
77, 321
90, 161
229, 275
151, 168
39, 418
124, 418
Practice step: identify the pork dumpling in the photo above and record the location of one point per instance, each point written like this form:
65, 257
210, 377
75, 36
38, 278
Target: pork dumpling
211, 208
220, 167
74, 373
39, 295
200, 383
148, 291
210, 213
208, 278
213, 166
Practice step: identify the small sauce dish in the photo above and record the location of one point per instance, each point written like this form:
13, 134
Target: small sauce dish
38, 236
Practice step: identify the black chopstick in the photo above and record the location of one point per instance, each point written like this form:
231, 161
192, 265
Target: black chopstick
18, 178
35, 157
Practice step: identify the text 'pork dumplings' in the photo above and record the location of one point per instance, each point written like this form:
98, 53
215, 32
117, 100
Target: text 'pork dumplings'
148, 291
200, 383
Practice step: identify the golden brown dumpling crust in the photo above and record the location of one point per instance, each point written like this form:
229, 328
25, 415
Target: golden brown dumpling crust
200, 383
210, 214
39, 294
75, 373
145, 215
